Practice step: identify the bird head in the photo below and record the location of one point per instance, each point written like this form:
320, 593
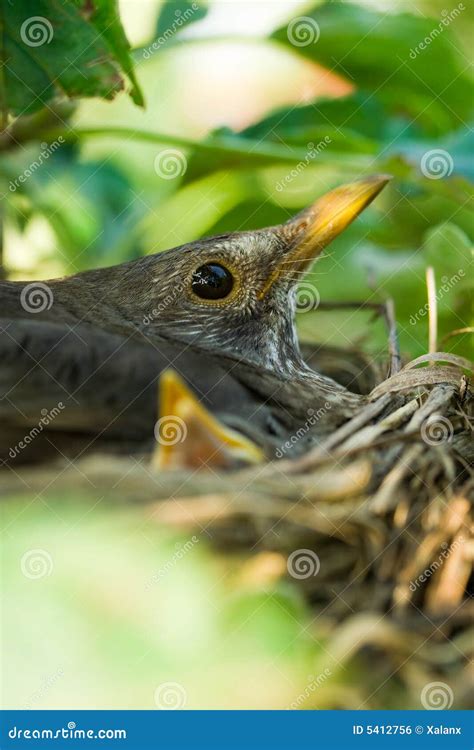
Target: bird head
237, 292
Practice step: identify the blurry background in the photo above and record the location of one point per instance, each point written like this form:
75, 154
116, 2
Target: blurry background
252, 111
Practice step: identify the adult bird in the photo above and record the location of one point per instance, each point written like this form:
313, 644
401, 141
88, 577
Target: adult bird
65, 391
218, 310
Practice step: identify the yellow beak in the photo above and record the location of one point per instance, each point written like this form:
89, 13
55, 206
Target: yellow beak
189, 436
308, 233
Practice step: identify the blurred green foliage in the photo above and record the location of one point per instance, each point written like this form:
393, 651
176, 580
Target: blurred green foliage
104, 607
373, 48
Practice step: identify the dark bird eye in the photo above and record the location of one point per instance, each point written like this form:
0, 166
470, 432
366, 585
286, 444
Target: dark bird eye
212, 281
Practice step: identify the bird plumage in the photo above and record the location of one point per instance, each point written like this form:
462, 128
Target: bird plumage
106, 388
221, 311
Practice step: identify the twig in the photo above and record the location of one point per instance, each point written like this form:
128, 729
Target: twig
321, 451
345, 304
368, 434
417, 378
456, 332
385, 498
452, 359
265, 153
440, 396
393, 345
29, 128
432, 309
385, 310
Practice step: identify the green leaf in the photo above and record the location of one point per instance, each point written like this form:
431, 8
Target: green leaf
175, 15
299, 125
242, 152
249, 215
220, 192
448, 248
73, 48
106, 20
381, 52
451, 155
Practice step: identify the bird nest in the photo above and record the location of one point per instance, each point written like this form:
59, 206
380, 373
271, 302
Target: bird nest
374, 525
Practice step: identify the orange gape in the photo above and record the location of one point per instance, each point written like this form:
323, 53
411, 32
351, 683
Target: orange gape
189, 436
